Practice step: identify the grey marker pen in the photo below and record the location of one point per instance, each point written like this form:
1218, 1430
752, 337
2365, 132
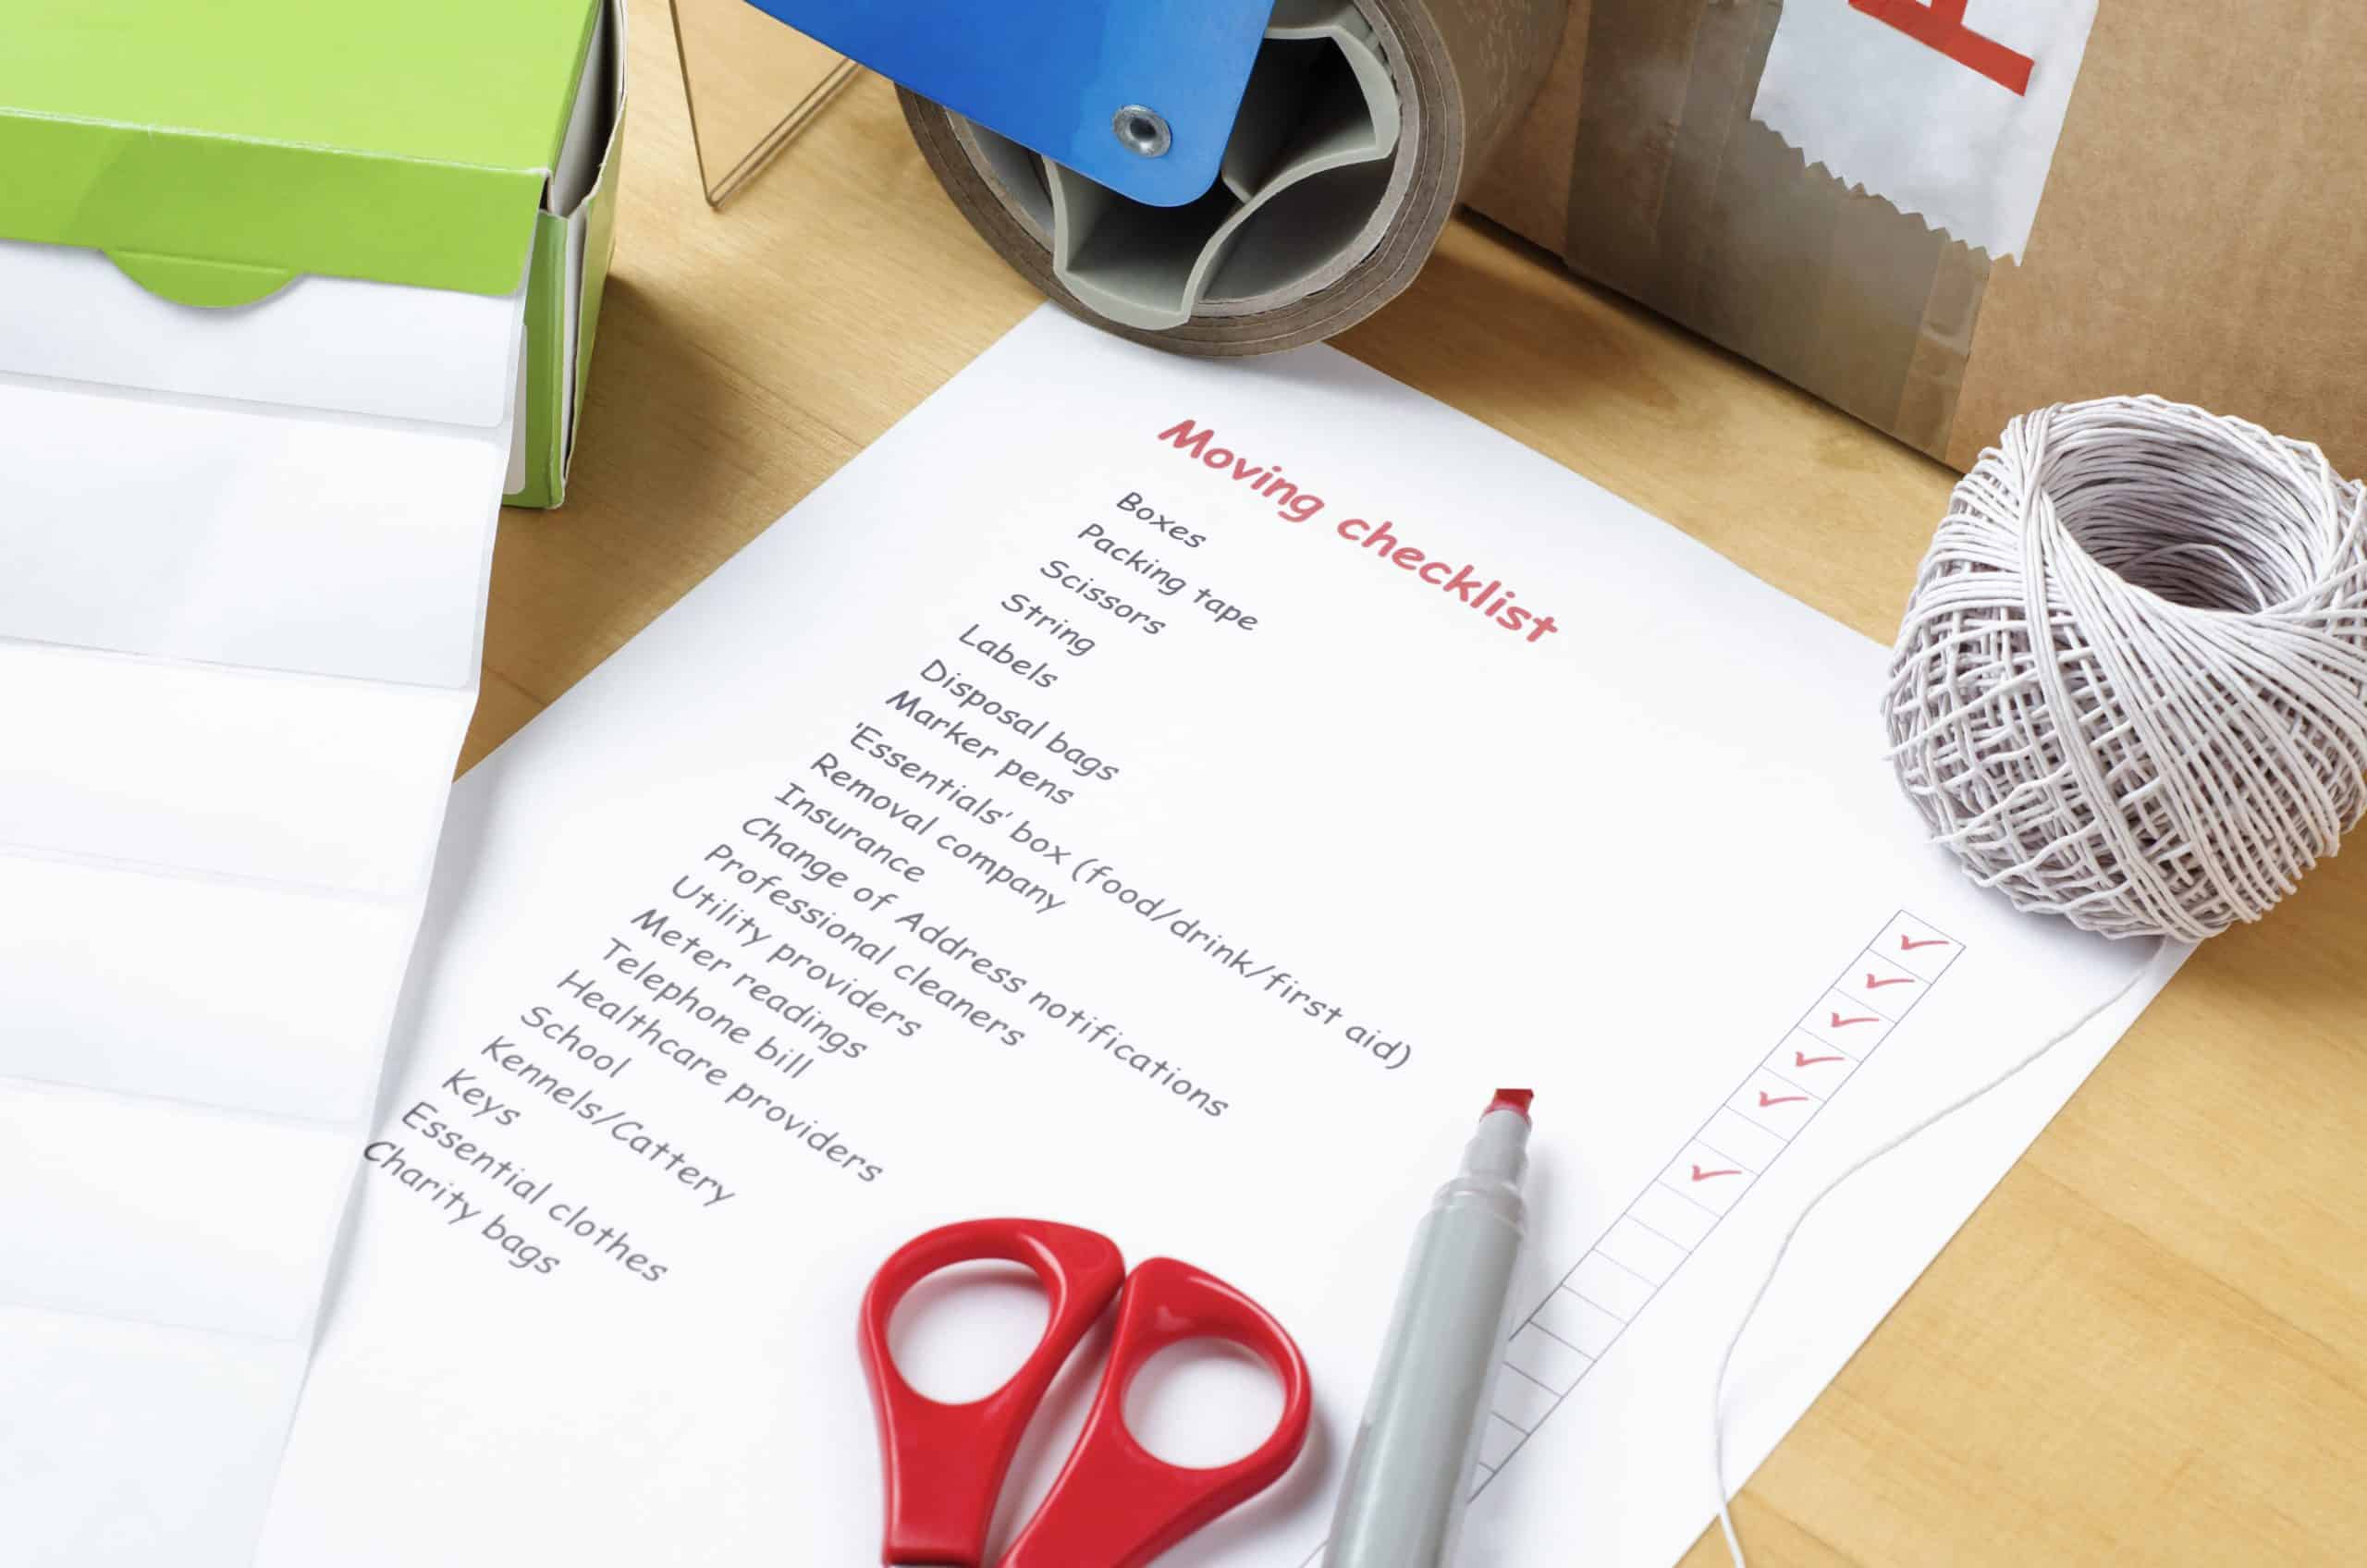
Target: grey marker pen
1410, 1472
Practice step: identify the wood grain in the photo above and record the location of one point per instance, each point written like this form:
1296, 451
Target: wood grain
2148, 1346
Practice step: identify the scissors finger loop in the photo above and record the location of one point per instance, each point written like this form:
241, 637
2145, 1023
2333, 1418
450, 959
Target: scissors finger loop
945, 1463
1118, 1505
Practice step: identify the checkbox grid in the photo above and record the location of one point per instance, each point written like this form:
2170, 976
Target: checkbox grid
1582, 1317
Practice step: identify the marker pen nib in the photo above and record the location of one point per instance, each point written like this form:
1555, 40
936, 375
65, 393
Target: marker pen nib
1512, 1100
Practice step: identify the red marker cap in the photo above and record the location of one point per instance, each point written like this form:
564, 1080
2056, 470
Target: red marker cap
1512, 1100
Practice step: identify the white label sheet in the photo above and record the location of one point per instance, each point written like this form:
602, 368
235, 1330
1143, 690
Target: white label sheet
1948, 109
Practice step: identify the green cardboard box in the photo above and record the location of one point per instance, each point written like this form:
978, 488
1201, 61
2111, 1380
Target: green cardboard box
218, 152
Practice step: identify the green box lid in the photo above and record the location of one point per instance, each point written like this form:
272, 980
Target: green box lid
216, 151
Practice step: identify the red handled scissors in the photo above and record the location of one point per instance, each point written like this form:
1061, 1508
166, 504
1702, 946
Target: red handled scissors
1115, 1505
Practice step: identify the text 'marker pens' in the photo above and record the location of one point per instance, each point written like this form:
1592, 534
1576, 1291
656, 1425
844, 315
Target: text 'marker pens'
1410, 1472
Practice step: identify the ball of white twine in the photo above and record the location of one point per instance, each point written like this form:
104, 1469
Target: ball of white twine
2131, 685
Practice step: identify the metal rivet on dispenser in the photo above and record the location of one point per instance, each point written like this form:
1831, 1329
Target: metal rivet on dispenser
1144, 130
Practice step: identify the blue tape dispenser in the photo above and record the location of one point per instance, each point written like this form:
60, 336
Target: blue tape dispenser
1213, 176
1137, 96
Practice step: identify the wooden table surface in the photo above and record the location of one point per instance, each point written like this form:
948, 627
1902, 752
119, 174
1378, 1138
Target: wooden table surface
2150, 1345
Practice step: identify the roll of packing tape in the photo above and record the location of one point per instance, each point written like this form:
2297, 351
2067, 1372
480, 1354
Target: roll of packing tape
1362, 123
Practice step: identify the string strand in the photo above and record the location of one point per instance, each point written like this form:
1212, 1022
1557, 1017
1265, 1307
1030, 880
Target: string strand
2130, 689
1726, 1359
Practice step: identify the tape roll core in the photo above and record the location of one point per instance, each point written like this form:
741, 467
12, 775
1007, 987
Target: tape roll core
1326, 210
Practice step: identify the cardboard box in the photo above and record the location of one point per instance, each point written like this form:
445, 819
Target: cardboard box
2196, 230
221, 156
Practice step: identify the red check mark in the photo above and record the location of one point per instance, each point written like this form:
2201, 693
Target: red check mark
1841, 1022
1873, 984
1701, 1175
1766, 1099
1908, 944
1801, 1059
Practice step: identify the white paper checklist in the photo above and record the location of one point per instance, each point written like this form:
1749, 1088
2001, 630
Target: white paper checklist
1047, 817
